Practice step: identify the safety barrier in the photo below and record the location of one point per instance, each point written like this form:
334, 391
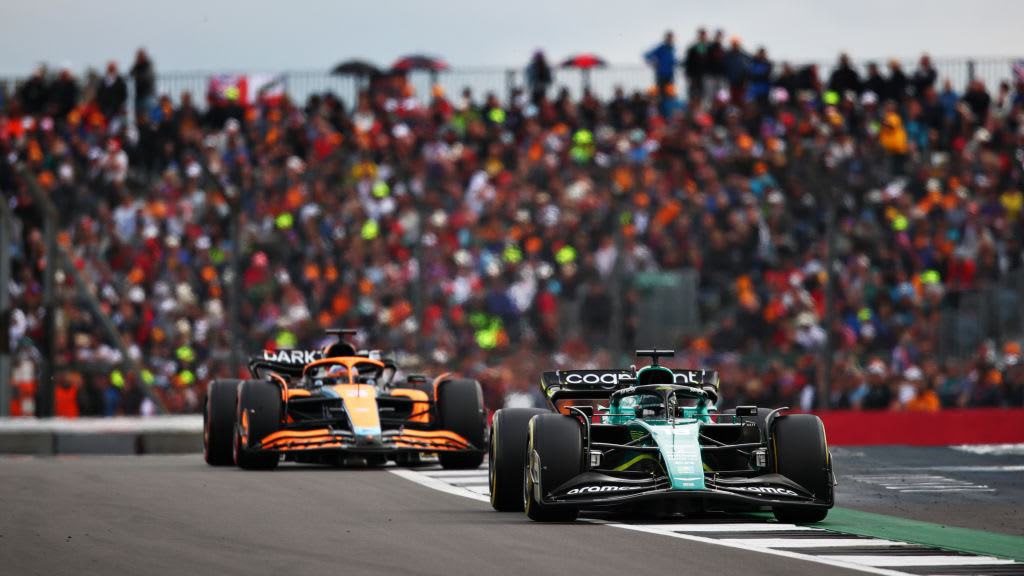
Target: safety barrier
183, 434
125, 435
944, 428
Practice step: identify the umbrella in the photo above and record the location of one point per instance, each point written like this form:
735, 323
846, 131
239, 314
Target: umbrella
358, 68
419, 62
584, 62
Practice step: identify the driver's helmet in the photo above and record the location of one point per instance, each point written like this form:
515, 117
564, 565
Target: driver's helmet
650, 406
340, 371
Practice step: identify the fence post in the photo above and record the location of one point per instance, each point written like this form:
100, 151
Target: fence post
970, 70
56, 258
45, 387
510, 84
5, 308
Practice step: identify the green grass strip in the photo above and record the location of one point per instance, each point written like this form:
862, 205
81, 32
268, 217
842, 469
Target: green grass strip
953, 538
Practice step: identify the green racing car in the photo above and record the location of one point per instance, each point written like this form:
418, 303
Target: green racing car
652, 440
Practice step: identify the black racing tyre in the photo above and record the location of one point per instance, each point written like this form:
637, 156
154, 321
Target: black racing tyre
460, 405
219, 422
800, 453
554, 455
259, 414
506, 455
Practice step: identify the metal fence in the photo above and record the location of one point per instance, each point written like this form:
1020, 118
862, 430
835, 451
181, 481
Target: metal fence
993, 312
501, 81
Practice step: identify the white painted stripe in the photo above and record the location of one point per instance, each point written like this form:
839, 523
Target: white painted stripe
907, 561
455, 473
946, 482
994, 449
652, 529
936, 486
436, 484
731, 527
898, 477
949, 490
811, 542
462, 479
477, 487
978, 468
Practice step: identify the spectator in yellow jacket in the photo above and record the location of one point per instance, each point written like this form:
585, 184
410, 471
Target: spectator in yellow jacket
893, 138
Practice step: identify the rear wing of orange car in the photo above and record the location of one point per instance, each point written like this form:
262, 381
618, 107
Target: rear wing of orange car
283, 362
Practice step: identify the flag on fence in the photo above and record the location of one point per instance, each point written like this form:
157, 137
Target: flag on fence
247, 89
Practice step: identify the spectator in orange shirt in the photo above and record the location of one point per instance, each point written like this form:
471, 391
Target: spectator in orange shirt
925, 399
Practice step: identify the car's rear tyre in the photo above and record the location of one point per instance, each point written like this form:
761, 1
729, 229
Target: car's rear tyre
460, 405
554, 455
259, 414
219, 422
506, 456
800, 453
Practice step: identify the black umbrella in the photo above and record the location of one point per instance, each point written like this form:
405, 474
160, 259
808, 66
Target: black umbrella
419, 62
359, 68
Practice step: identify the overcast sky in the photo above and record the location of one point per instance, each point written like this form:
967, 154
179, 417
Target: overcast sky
265, 35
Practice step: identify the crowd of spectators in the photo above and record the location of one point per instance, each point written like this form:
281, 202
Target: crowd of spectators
465, 233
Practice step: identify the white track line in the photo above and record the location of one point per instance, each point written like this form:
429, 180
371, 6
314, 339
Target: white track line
771, 551
439, 485
454, 473
908, 561
812, 542
948, 490
977, 468
995, 449
729, 527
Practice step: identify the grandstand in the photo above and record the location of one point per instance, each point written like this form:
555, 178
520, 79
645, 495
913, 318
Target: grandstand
158, 234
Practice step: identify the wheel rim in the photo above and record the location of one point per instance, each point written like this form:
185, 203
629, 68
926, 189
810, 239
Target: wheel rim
531, 473
206, 430
492, 475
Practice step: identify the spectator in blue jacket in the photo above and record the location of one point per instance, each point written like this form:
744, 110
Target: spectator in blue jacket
663, 59
736, 65
760, 72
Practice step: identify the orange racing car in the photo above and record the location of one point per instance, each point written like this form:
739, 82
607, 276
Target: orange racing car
335, 405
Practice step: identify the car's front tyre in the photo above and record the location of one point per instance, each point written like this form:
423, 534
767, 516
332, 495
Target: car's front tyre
800, 453
506, 456
219, 422
554, 455
259, 414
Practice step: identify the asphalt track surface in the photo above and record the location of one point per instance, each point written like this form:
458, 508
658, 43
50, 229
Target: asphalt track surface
949, 486
175, 515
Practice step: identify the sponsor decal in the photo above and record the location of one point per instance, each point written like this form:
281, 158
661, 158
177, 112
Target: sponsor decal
291, 356
765, 490
689, 377
685, 377
591, 489
606, 379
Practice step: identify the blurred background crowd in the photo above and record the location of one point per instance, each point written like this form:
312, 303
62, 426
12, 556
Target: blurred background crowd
499, 237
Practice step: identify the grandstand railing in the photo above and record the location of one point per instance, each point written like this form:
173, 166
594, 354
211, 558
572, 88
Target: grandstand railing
300, 84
